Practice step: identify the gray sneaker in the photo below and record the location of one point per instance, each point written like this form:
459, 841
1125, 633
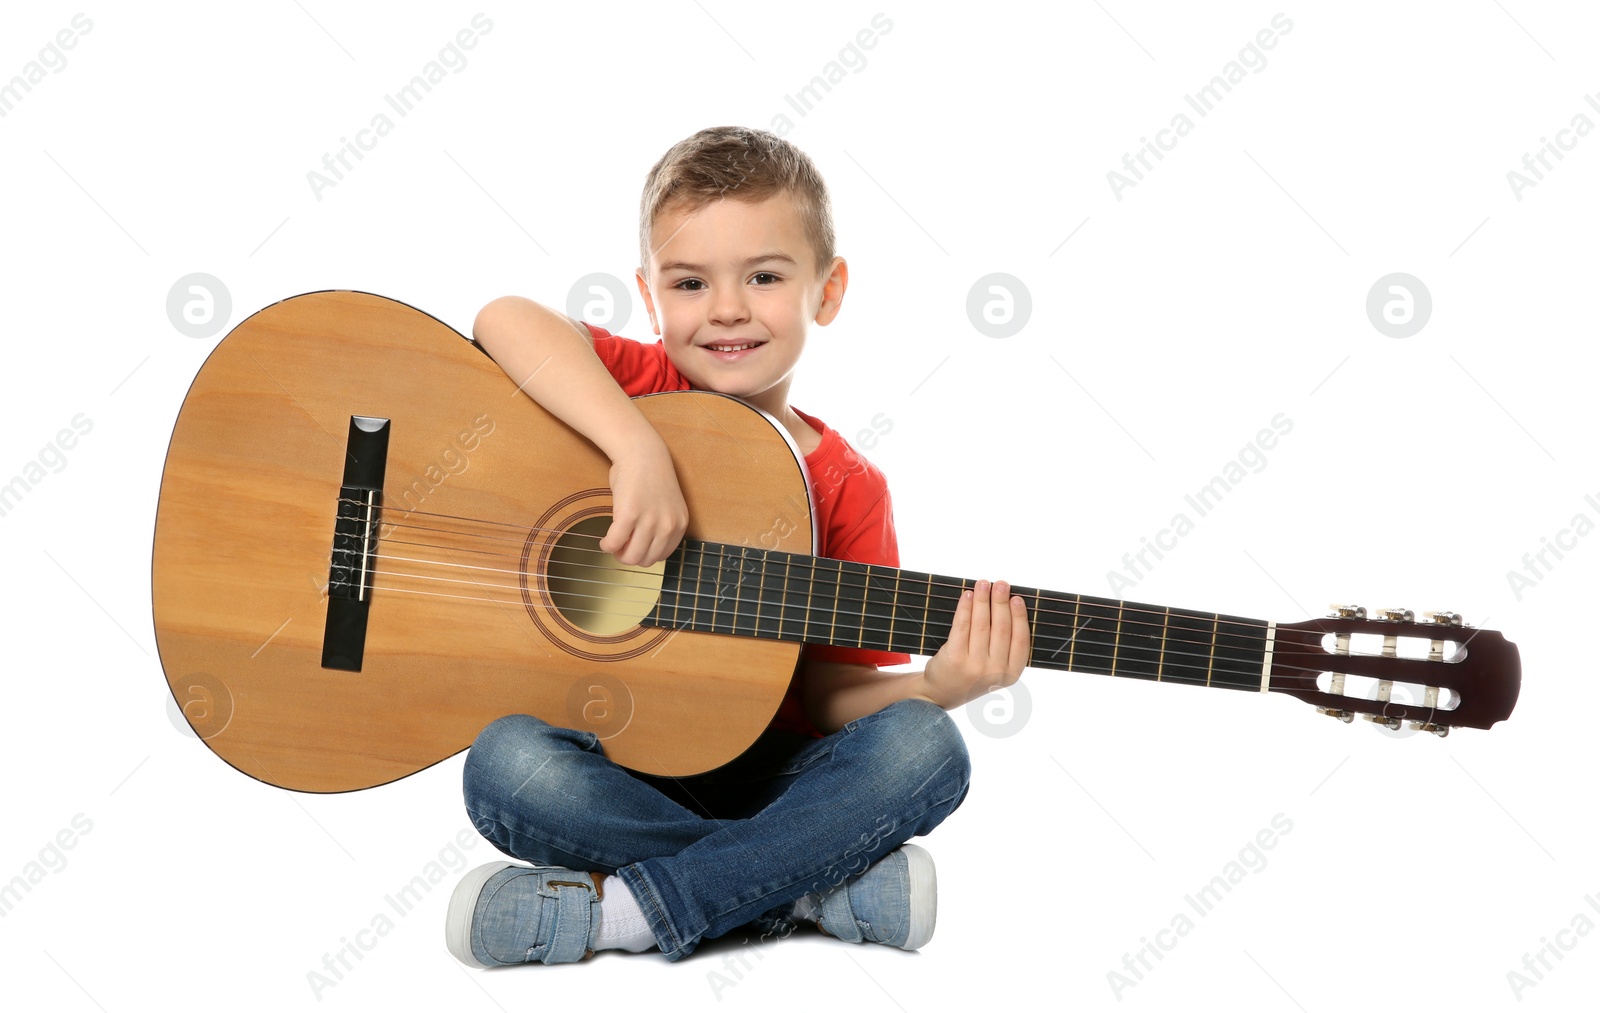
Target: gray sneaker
502, 913
894, 902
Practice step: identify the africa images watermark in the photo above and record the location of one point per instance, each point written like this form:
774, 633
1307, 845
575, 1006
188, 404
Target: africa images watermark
51, 58
1537, 964
1536, 566
1536, 164
1252, 456
1252, 858
52, 858
402, 902
452, 58
853, 862
53, 457
1136, 165
851, 59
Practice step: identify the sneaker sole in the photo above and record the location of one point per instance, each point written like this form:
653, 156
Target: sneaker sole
458, 919
924, 896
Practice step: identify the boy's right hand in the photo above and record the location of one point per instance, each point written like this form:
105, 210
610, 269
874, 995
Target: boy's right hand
552, 359
648, 514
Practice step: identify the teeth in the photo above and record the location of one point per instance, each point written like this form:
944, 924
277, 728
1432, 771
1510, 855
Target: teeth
732, 348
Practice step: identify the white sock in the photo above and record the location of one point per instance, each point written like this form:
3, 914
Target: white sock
622, 923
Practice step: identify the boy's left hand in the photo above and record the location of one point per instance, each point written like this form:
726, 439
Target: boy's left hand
988, 647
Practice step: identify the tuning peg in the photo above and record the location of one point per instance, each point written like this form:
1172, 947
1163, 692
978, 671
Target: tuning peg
1393, 724
1443, 618
1396, 615
1334, 712
1428, 726
1347, 612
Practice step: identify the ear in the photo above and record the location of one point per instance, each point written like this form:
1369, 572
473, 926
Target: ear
833, 286
649, 303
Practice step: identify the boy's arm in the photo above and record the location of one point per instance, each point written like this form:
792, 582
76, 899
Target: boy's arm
988, 648
552, 358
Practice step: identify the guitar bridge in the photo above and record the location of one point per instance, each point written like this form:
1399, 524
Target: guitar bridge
355, 543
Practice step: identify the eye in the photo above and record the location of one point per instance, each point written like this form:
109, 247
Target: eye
690, 281
771, 278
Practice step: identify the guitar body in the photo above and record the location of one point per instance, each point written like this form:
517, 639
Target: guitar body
484, 496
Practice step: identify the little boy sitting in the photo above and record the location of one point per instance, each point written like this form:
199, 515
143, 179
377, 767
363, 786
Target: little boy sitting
810, 823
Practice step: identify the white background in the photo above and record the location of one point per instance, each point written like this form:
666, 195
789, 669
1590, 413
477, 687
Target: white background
1168, 326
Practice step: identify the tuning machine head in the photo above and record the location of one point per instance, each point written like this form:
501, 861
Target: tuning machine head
1346, 612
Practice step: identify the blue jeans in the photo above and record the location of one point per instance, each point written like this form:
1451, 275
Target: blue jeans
705, 855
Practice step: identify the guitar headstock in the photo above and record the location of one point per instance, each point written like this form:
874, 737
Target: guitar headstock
1447, 674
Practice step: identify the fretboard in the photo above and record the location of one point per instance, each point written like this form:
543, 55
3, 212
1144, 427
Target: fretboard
715, 588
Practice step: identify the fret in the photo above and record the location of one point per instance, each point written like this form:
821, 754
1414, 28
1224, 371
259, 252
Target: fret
846, 600
699, 587
1211, 661
743, 618
1051, 627
1240, 649
941, 608
882, 596
765, 605
1033, 617
866, 587
1095, 636
1116, 643
1138, 644
706, 600
894, 608
797, 595
727, 594
1188, 660
909, 623
734, 590
1077, 624
927, 609
1162, 661
854, 614
809, 627
716, 589
747, 624
904, 630
833, 610
783, 606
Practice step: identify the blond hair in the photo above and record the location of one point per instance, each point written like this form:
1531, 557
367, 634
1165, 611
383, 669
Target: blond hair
742, 163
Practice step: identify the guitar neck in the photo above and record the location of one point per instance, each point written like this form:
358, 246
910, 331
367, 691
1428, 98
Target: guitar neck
717, 588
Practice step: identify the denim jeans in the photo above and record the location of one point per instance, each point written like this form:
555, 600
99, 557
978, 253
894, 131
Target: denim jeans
705, 855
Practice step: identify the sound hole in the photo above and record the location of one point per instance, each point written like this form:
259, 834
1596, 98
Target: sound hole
593, 591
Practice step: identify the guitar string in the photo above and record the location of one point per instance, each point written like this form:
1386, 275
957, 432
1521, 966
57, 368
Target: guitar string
1248, 624
652, 598
814, 567
1163, 656
1172, 669
1042, 627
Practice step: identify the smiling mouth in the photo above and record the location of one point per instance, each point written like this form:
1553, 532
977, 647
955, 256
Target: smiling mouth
732, 346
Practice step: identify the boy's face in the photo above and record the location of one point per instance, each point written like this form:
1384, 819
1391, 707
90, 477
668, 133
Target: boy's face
731, 289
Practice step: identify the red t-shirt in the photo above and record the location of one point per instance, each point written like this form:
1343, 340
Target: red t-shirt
854, 517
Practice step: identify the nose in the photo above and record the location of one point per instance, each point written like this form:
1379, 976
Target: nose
728, 305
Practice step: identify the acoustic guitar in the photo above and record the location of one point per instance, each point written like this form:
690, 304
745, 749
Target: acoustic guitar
370, 543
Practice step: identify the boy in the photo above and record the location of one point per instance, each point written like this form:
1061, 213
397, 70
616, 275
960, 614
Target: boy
737, 261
